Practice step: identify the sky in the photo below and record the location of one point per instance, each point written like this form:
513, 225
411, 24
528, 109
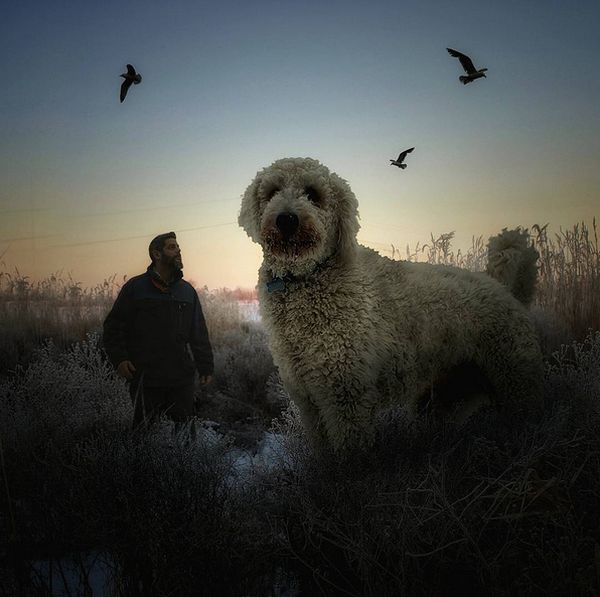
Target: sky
230, 87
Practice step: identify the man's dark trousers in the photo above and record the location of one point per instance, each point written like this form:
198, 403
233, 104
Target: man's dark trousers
176, 402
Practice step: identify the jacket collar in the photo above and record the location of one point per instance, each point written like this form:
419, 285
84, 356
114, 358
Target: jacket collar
159, 282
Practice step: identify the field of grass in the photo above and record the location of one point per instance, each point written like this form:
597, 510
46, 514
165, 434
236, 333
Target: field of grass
494, 507
568, 289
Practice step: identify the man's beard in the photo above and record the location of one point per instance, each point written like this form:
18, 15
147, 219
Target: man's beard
174, 263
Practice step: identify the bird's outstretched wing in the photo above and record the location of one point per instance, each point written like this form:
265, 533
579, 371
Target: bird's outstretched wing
131, 71
466, 62
124, 88
403, 154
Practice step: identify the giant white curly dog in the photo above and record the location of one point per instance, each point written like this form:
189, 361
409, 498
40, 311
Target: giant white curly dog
352, 331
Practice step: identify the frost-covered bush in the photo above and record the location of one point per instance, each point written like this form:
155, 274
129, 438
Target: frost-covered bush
222, 314
243, 368
164, 502
574, 370
493, 506
61, 396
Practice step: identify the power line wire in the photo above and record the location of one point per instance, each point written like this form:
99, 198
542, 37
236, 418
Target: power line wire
18, 238
120, 211
153, 208
149, 235
367, 225
17, 211
110, 240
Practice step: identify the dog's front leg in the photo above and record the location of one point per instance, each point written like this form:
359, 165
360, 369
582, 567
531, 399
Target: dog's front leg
309, 414
314, 426
347, 408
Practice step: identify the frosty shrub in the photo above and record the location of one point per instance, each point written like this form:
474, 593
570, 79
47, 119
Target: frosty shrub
293, 450
61, 396
55, 307
494, 506
221, 312
552, 330
574, 370
164, 503
243, 367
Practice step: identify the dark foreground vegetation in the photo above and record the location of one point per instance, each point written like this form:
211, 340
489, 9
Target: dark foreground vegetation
493, 507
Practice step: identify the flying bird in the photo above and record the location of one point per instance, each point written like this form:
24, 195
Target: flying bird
467, 64
398, 161
130, 77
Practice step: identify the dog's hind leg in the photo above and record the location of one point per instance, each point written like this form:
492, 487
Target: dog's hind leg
514, 367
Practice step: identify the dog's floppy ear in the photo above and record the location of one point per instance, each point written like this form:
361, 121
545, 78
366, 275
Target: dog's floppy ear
347, 214
249, 215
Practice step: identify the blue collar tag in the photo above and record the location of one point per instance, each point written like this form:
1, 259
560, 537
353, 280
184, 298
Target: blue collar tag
276, 285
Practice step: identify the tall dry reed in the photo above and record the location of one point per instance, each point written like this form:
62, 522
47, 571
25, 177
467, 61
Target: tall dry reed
569, 275
59, 308
568, 288
55, 307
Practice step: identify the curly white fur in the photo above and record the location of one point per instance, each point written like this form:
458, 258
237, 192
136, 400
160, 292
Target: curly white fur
512, 261
352, 331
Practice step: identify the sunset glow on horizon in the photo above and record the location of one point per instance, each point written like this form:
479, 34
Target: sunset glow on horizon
228, 88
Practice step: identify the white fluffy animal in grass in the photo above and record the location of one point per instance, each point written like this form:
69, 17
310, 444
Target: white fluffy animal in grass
353, 332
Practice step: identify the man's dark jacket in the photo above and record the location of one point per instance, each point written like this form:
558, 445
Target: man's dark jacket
152, 324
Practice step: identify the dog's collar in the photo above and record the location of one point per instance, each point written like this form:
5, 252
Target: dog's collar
278, 284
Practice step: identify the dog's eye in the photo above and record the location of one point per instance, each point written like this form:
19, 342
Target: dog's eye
312, 195
271, 193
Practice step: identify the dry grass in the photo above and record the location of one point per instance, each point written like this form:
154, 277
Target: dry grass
164, 504
494, 507
568, 293
568, 290
439, 251
569, 276
57, 307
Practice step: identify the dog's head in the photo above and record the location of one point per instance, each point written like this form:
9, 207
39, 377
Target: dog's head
301, 214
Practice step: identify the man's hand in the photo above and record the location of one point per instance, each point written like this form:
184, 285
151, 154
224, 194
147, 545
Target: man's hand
205, 379
126, 369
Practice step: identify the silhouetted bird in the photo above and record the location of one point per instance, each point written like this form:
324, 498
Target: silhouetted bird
130, 77
400, 159
467, 64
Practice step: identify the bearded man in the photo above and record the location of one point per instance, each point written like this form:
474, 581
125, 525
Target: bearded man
156, 337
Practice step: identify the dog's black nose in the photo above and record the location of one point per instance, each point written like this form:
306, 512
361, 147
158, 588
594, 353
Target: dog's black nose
287, 224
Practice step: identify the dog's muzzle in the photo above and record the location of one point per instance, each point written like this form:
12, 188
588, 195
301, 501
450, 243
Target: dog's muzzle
287, 223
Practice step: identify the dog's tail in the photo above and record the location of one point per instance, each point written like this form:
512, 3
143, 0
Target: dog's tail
512, 261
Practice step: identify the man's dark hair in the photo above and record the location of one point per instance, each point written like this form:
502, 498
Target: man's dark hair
158, 243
